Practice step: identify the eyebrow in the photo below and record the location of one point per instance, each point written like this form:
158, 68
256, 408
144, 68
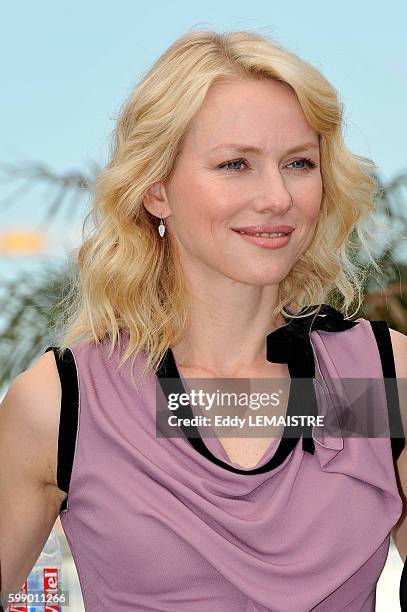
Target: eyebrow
252, 149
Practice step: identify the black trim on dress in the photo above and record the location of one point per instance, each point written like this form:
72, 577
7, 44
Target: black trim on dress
168, 369
68, 425
383, 339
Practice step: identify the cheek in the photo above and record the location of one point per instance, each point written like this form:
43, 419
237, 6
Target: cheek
310, 219
211, 209
189, 206
196, 219
308, 215
310, 206
314, 212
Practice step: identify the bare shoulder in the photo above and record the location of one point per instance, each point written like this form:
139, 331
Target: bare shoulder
30, 414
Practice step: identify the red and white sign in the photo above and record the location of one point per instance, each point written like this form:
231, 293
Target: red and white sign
50, 587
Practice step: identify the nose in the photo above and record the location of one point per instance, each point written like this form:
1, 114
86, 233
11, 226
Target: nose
274, 197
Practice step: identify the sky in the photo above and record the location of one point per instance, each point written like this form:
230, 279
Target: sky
67, 67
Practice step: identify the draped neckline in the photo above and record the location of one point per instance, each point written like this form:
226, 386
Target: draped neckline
291, 344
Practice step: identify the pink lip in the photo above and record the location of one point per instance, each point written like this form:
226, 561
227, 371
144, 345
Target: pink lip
258, 229
265, 242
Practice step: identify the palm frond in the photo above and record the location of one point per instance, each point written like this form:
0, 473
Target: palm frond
30, 307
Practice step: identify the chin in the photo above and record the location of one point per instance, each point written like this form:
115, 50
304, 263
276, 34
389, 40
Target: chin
256, 279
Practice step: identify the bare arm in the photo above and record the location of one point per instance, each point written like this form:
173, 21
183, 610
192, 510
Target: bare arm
29, 499
399, 531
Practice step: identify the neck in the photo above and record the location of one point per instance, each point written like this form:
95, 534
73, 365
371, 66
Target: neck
225, 338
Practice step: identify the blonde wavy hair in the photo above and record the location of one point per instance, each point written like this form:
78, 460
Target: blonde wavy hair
125, 277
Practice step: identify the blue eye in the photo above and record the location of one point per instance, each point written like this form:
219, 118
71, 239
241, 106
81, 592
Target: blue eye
233, 161
307, 161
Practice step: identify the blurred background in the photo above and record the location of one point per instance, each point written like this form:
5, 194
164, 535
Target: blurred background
67, 68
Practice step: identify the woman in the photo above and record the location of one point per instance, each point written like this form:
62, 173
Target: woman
228, 138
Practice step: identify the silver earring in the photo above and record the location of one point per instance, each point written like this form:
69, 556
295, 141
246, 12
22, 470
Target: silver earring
161, 228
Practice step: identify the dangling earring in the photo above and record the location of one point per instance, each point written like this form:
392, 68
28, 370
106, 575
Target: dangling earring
161, 228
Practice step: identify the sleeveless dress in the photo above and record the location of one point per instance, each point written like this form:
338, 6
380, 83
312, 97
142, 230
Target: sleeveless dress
173, 525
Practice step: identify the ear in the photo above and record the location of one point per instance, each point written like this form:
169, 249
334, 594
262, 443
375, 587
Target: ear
155, 200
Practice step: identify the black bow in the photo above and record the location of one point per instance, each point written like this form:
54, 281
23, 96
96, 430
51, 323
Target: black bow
284, 342
291, 344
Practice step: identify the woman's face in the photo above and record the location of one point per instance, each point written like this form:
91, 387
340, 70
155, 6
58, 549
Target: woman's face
215, 187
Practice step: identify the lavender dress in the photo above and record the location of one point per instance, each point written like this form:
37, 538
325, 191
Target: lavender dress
172, 525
